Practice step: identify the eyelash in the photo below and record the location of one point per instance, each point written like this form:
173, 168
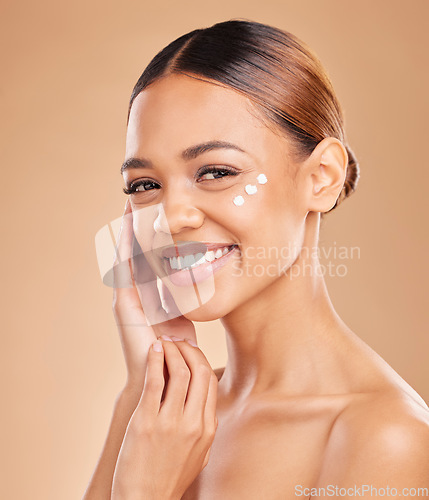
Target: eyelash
132, 188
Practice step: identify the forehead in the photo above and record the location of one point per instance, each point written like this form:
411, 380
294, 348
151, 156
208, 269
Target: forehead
180, 110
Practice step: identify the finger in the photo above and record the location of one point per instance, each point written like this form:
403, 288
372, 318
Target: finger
179, 326
150, 400
146, 282
206, 458
124, 240
123, 249
151, 301
201, 372
126, 298
210, 418
169, 303
124, 293
178, 382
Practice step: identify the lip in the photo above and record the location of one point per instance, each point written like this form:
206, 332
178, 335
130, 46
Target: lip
189, 276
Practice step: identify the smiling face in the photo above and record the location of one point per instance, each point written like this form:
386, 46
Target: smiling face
193, 148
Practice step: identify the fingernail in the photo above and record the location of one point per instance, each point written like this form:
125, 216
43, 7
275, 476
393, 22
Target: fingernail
165, 337
176, 339
189, 341
157, 346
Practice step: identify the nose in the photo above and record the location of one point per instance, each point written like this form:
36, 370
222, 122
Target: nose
177, 215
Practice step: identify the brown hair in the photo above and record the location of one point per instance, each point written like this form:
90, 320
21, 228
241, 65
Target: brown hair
279, 73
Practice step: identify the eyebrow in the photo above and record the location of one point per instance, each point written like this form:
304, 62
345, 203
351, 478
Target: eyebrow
188, 154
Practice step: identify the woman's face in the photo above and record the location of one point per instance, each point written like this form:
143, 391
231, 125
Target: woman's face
199, 146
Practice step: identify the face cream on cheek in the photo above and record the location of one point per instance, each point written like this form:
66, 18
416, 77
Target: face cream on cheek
262, 179
250, 189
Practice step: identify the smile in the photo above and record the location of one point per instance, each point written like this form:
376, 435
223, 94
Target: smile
194, 260
188, 268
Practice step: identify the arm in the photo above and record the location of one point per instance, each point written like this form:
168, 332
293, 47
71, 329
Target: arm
100, 485
167, 442
136, 338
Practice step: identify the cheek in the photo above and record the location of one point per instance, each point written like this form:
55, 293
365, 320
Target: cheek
267, 223
257, 205
242, 204
250, 190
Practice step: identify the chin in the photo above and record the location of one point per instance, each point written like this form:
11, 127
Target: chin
206, 312
201, 316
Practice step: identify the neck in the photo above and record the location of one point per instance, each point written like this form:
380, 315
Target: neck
285, 338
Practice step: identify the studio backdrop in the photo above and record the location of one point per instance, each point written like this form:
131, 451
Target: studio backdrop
68, 69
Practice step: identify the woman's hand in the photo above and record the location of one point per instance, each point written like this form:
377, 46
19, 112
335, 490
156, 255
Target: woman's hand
135, 333
167, 442
136, 338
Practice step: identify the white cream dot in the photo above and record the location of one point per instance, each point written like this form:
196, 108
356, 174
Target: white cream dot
262, 179
238, 201
250, 189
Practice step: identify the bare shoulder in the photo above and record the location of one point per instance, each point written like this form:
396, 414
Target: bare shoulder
379, 437
219, 372
390, 418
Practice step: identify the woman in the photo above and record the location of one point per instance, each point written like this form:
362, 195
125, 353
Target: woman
235, 131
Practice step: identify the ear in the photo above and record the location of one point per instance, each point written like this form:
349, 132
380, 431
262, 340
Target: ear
325, 174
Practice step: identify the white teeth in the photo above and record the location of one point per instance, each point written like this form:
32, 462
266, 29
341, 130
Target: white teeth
189, 260
210, 256
198, 259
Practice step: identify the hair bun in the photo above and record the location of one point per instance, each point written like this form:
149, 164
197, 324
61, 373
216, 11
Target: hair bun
352, 178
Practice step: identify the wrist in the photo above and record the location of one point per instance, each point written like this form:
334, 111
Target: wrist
133, 386
119, 494
129, 395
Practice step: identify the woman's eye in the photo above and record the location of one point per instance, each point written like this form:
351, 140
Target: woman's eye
214, 173
204, 174
141, 186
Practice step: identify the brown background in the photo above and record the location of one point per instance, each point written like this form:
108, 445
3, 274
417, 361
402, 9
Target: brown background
68, 69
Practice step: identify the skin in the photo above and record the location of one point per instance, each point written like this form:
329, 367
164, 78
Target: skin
180, 426
302, 400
